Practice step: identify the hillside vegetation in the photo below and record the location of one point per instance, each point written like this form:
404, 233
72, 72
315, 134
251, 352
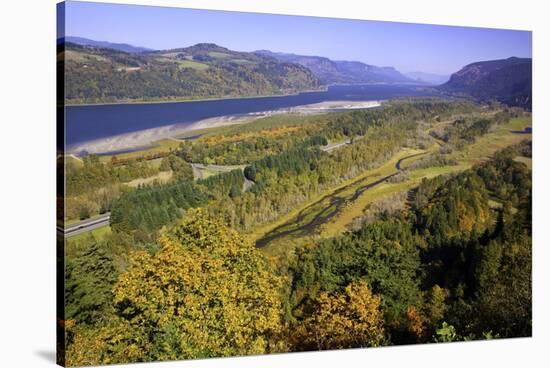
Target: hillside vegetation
103, 75
241, 262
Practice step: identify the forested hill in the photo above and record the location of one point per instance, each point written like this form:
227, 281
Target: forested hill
508, 81
109, 45
101, 75
346, 72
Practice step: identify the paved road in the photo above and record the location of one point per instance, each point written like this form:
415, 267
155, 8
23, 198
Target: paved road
333, 146
85, 225
104, 220
216, 168
220, 169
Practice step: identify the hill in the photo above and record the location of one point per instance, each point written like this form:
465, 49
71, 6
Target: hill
339, 71
103, 75
507, 81
110, 45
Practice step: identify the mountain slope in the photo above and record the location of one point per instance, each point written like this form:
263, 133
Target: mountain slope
346, 72
104, 44
99, 75
508, 81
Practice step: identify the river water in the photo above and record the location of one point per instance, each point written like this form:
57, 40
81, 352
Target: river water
92, 122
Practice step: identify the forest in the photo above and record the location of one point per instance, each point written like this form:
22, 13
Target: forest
103, 75
180, 275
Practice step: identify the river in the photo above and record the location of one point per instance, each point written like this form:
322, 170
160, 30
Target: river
86, 123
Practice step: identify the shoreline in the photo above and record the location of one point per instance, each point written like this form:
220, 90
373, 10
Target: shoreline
144, 139
324, 88
201, 99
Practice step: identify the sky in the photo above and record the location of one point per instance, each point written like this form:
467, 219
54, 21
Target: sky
405, 46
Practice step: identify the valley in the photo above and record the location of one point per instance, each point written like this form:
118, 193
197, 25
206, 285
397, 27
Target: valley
304, 188
233, 184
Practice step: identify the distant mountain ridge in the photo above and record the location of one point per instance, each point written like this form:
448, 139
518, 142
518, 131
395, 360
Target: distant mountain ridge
428, 78
104, 44
340, 71
508, 81
101, 71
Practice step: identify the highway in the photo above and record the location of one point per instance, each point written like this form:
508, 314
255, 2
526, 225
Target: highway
104, 220
85, 225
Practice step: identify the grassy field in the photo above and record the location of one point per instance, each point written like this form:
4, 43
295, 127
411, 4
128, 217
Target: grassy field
502, 137
191, 64
218, 55
302, 221
161, 177
526, 160
355, 209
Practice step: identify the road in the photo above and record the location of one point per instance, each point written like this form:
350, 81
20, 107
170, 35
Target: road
85, 225
197, 172
214, 168
104, 220
333, 146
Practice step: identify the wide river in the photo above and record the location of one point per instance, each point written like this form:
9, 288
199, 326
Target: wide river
92, 122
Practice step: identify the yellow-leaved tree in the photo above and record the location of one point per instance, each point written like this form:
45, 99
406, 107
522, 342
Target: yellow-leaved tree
350, 319
207, 292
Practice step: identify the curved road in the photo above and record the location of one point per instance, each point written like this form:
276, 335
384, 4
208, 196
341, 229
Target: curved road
336, 203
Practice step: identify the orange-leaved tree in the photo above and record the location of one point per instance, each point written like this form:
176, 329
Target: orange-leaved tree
352, 318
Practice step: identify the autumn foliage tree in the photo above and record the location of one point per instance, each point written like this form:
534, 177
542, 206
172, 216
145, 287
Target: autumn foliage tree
207, 292
349, 319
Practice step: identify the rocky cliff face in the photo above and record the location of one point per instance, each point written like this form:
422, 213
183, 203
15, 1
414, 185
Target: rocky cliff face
508, 81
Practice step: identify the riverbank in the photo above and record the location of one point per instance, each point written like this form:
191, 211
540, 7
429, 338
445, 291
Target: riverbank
143, 139
191, 99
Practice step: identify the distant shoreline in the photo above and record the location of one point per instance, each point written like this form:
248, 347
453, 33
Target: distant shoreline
202, 99
205, 99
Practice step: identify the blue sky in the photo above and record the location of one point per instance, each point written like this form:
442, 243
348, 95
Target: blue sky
408, 47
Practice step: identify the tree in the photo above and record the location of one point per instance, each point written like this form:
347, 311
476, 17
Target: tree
88, 282
435, 305
349, 319
207, 292
383, 253
181, 169
84, 212
417, 324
